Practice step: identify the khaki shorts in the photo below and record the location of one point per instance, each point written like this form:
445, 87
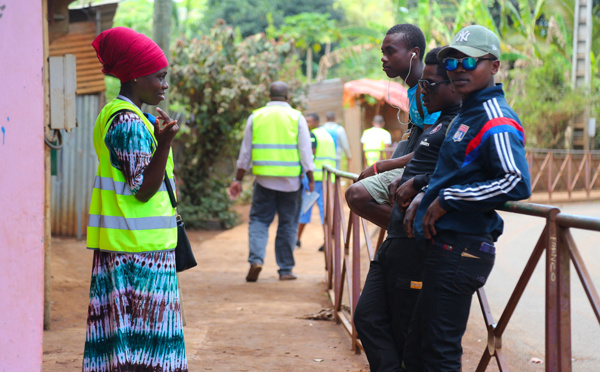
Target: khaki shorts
377, 185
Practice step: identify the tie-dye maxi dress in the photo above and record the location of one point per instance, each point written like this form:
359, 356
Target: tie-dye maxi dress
134, 317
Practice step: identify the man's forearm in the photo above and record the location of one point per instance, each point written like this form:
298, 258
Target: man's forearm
389, 164
240, 174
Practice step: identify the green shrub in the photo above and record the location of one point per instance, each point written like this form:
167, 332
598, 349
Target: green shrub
218, 81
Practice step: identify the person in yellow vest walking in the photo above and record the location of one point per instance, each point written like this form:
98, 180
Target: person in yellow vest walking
134, 318
324, 153
277, 145
374, 140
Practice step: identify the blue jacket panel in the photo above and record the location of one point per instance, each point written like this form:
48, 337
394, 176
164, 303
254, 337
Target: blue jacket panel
482, 164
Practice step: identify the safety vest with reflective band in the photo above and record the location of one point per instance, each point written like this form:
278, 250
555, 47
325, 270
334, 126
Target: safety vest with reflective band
325, 153
372, 148
118, 222
275, 142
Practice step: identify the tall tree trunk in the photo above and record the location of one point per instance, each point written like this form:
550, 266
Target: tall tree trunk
161, 34
309, 57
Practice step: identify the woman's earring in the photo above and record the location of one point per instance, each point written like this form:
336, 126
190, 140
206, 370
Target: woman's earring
135, 80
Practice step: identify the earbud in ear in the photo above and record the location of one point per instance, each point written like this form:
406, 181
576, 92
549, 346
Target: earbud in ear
413, 55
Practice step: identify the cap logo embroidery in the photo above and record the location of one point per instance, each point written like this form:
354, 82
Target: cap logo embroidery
463, 36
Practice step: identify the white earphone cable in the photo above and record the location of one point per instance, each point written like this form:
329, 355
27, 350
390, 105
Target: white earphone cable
409, 103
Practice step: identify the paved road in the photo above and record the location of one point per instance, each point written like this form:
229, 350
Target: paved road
524, 337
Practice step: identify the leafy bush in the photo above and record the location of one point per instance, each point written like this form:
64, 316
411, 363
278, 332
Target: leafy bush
218, 81
541, 95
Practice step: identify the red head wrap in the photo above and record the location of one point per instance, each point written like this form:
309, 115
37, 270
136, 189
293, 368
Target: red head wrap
128, 54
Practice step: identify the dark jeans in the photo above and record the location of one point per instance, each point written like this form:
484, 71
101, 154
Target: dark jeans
265, 203
386, 304
456, 266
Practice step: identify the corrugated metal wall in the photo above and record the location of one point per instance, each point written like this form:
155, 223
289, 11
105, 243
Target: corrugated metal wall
326, 96
76, 165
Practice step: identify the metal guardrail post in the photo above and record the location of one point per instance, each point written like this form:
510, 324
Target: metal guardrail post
356, 280
337, 258
328, 231
554, 292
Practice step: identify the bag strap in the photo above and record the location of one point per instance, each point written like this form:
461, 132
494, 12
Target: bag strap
170, 191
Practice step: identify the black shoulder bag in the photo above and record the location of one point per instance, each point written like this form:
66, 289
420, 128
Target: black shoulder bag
184, 257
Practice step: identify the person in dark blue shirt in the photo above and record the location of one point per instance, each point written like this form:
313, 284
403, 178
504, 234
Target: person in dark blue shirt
386, 304
481, 165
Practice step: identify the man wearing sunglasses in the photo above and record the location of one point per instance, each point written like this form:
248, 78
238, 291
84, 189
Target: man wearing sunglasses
481, 165
385, 308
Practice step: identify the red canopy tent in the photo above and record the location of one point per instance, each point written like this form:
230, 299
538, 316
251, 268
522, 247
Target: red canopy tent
383, 90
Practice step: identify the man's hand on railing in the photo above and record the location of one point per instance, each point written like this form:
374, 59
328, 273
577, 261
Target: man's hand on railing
409, 215
434, 212
369, 172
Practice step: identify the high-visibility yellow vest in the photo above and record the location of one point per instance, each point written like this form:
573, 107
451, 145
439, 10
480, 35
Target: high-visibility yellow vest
325, 153
373, 148
118, 222
275, 141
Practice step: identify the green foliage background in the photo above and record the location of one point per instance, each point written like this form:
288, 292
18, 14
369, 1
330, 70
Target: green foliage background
218, 80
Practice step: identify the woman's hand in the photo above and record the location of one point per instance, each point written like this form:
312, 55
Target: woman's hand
165, 129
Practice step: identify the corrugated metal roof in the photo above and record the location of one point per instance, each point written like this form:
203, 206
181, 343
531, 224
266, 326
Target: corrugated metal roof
78, 42
85, 23
383, 90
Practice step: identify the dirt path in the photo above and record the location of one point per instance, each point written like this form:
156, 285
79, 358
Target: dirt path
231, 325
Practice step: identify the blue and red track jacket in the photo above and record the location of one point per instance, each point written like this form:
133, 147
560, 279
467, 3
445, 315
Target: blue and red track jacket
481, 165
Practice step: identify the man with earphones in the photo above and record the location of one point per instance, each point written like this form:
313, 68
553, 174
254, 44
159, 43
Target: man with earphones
403, 50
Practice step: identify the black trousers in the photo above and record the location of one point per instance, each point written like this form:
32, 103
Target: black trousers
386, 305
456, 266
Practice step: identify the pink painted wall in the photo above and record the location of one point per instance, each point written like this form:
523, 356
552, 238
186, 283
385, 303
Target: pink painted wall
21, 185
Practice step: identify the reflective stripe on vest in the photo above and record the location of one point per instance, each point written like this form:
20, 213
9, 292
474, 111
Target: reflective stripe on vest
122, 188
275, 141
325, 153
118, 221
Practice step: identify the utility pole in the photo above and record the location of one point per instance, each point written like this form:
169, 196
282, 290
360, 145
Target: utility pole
578, 134
161, 34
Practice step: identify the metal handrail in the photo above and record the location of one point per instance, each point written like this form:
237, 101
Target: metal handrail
555, 170
556, 240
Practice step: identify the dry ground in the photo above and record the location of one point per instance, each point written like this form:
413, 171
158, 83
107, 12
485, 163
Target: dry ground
231, 325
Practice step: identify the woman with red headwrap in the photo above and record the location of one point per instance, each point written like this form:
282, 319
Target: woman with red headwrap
134, 318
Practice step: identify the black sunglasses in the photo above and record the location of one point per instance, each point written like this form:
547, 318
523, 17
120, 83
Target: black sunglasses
428, 86
468, 63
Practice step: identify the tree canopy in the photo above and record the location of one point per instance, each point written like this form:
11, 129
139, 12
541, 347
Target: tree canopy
250, 16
